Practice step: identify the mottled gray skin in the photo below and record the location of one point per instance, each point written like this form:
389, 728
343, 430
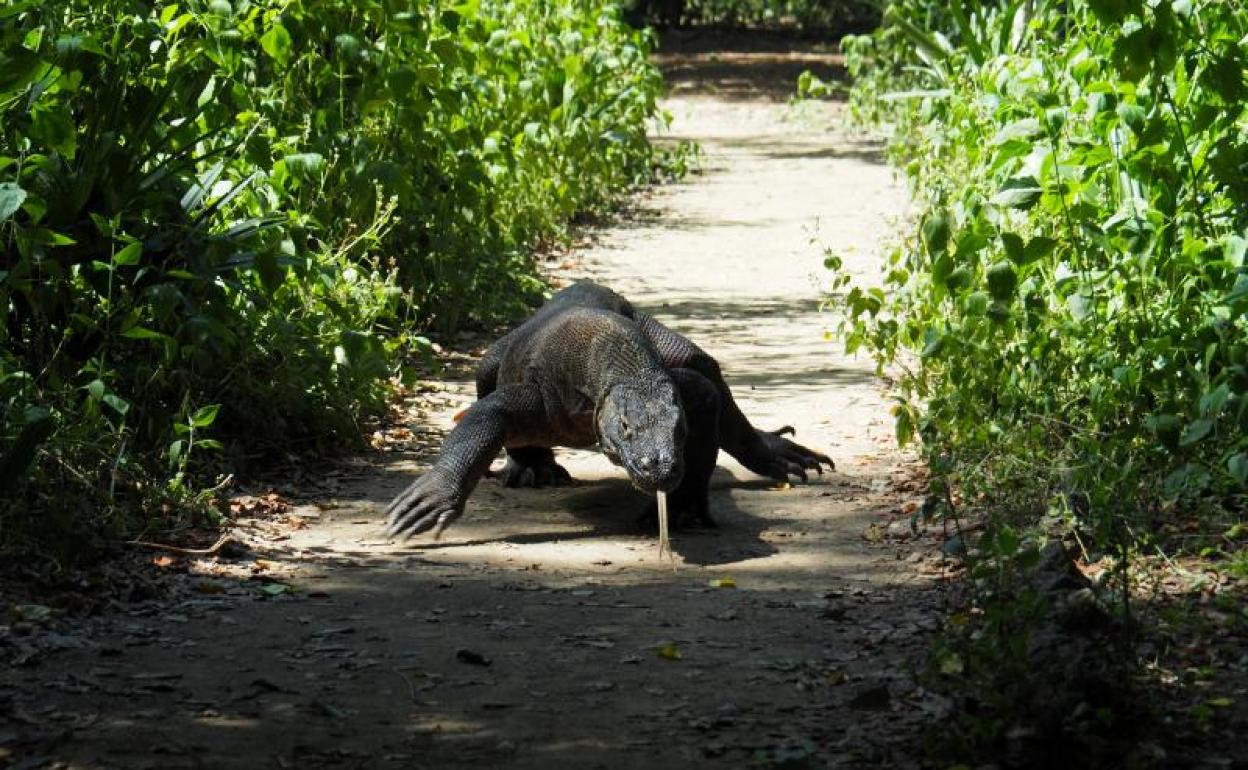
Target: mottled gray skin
589, 369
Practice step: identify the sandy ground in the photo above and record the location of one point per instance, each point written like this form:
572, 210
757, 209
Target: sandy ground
543, 630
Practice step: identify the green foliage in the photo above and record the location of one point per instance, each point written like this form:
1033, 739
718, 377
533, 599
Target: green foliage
218, 215
1075, 298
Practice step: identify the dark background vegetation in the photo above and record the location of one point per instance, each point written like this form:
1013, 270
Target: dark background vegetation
830, 18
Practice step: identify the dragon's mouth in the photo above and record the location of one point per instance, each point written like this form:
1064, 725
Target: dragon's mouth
649, 478
650, 482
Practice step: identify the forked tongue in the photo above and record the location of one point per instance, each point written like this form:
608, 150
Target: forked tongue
665, 542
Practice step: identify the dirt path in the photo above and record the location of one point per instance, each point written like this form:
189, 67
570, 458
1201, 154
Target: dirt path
358, 653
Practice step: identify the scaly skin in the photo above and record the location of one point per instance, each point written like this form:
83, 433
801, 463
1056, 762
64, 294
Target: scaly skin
587, 368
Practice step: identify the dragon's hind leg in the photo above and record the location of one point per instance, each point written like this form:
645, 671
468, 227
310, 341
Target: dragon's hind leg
533, 466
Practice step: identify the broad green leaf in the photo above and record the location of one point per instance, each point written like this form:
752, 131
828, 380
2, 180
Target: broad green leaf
1015, 248
276, 43
1018, 193
1212, 403
1112, 11
1226, 77
1081, 306
959, 279
205, 416
936, 233
1002, 281
139, 333
934, 343
119, 404
1038, 248
1233, 250
130, 255
304, 164
1019, 129
903, 424
1237, 464
71, 44
401, 81
11, 199
1132, 116
977, 303
348, 46
1195, 431
55, 129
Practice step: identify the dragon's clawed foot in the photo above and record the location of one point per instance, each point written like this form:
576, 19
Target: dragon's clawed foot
432, 502
783, 458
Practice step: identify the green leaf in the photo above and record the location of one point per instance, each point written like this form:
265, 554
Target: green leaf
304, 164
348, 46
1195, 431
1018, 193
401, 81
1237, 464
1233, 250
11, 199
1038, 248
934, 342
1019, 129
903, 424
959, 279
1002, 281
977, 303
55, 130
936, 233
1211, 403
1132, 116
119, 404
276, 43
1166, 427
1226, 78
96, 389
1133, 53
1015, 248
1111, 11
970, 242
71, 44
205, 416
130, 255
139, 333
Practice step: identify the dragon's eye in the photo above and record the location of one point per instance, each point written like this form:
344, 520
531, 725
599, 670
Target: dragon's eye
624, 425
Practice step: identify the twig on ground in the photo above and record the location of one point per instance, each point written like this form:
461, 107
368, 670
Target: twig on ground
209, 551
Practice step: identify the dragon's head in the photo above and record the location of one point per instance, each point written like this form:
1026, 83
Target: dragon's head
641, 426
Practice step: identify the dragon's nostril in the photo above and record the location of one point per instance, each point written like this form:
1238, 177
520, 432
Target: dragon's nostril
645, 462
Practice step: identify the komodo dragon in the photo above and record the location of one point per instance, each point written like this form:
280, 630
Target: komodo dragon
589, 369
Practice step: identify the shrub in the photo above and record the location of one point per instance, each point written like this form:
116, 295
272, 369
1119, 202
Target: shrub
215, 215
1071, 306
